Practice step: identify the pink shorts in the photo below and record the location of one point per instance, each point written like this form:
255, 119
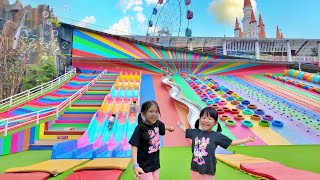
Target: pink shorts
149, 176
196, 176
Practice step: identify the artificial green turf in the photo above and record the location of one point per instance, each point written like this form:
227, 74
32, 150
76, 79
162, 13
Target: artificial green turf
175, 164
175, 161
21, 159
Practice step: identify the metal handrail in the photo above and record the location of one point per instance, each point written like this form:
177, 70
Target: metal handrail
42, 114
36, 91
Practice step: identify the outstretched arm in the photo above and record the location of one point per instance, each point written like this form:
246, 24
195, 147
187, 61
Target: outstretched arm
244, 140
182, 127
169, 128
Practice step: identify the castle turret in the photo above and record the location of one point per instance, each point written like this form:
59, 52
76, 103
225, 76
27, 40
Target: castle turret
237, 29
278, 33
247, 8
253, 26
261, 30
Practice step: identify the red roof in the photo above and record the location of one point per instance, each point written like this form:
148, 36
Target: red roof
247, 3
260, 21
278, 34
237, 27
253, 19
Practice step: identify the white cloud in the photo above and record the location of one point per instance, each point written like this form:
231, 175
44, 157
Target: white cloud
154, 2
141, 18
137, 9
86, 20
125, 5
226, 11
122, 27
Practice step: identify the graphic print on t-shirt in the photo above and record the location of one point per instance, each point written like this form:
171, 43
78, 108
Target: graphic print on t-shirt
199, 150
154, 140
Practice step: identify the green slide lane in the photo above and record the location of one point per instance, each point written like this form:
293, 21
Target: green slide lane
192, 96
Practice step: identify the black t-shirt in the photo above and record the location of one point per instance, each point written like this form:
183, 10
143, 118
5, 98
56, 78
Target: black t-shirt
204, 145
148, 152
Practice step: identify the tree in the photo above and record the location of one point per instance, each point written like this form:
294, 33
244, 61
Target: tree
56, 23
40, 73
12, 66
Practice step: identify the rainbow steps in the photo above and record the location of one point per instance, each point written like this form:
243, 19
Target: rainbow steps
74, 121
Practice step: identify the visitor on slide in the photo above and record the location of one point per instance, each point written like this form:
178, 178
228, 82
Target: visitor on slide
205, 142
133, 108
112, 119
145, 142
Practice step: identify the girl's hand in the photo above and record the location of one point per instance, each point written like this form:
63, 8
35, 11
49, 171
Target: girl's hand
179, 124
170, 129
251, 138
137, 171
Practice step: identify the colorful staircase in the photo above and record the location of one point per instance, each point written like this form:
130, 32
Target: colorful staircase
74, 121
50, 99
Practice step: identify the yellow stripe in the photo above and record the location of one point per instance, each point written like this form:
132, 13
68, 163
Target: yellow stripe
169, 54
223, 68
155, 53
199, 65
41, 131
56, 136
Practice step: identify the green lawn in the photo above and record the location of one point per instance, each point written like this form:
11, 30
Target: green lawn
175, 162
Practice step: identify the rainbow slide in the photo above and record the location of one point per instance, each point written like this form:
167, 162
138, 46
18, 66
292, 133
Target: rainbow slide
98, 141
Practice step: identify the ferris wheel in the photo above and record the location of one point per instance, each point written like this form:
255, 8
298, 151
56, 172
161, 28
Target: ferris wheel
170, 18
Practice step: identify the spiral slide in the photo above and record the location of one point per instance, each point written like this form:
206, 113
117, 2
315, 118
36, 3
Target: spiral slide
194, 108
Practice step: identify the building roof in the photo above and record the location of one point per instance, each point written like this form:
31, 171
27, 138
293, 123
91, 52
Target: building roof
247, 3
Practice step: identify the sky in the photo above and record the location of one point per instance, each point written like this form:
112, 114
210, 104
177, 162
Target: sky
211, 18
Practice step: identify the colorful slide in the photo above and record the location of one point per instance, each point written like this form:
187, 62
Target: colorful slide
99, 141
75, 120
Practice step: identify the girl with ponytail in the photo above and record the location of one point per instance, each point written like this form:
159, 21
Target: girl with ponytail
205, 142
145, 142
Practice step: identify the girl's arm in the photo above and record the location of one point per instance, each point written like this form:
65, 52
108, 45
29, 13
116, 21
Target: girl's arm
182, 127
244, 140
134, 154
169, 128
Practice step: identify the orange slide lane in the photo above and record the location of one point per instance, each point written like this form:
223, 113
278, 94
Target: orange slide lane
292, 96
169, 114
